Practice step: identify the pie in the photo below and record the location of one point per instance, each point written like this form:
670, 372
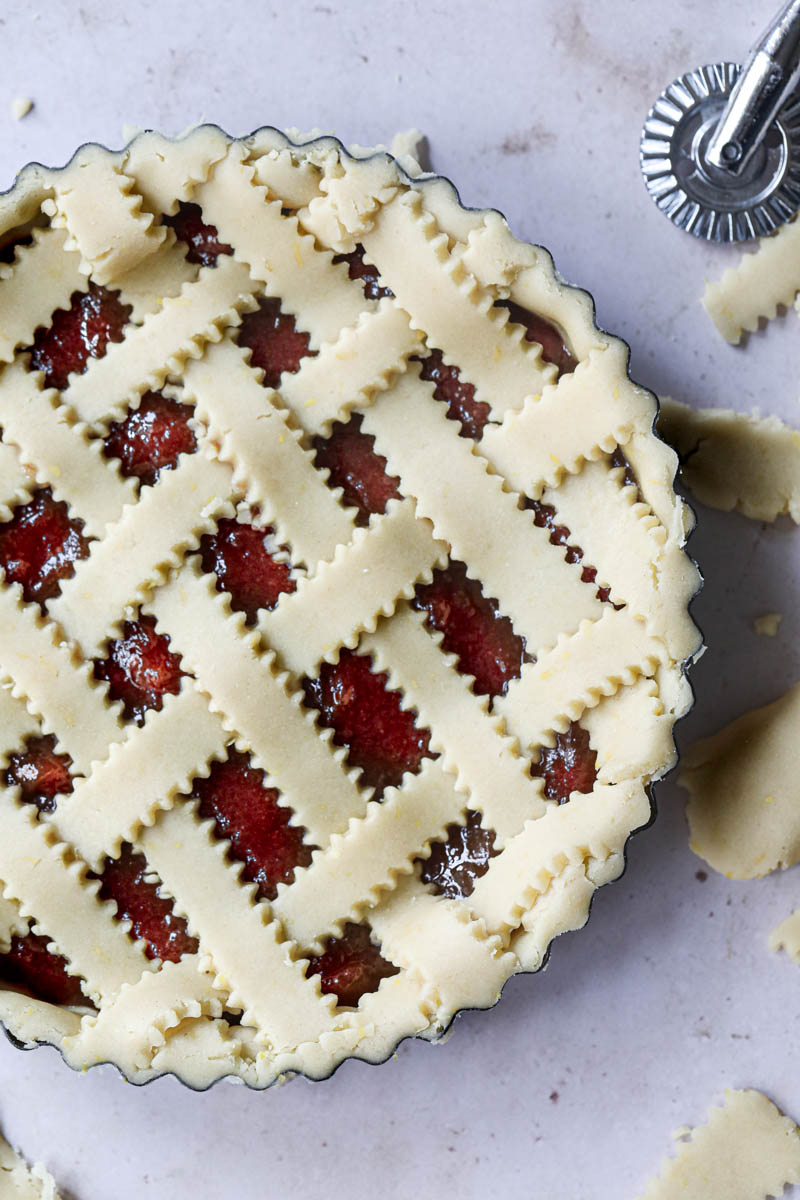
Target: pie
343, 619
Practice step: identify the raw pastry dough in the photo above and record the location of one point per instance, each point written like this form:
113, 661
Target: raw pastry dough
18, 1181
746, 1151
768, 625
787, 936
756, 287
744, 818
735, 461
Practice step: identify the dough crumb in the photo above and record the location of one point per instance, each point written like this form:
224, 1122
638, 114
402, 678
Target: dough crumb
768, 625
20, 107
744, 819
746, 1150
18, 1181
734, 461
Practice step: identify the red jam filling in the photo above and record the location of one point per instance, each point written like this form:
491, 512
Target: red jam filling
544, 515
277, 345
367, 273
570, 766
40, 773
40, 545
537, 329
152, 437
202, 241
366, 717
238, 555
28, 963
455, 865
349, 455
140, 669
350, 966
619, 459
458, 395
248, 814
473, 629
78, 333
125, 880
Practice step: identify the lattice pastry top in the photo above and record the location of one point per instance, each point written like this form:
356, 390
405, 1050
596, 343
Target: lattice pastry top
344, 606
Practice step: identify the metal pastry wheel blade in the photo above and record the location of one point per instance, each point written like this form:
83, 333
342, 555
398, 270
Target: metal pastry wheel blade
720, 149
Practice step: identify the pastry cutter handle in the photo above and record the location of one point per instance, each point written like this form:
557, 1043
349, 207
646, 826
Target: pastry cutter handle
771, 72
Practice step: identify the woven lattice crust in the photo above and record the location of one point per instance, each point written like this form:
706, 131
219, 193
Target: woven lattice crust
287, 211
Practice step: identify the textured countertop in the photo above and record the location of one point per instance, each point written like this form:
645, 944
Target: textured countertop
570, 1087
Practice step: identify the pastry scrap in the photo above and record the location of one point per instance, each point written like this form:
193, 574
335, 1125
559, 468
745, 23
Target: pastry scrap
768, 624
344, 613
786, 936
746, 1151
754, 289
18, 1181
733, 461
744, 819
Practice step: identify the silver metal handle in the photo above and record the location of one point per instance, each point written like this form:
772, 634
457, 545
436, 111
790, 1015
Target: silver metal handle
771, 72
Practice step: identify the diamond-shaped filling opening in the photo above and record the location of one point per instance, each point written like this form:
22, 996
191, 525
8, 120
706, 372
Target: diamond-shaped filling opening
129, 881
474, 629
78, 333
351, 966
151, 438
203, 245
545, 516
538, 329
353, 465
29, 964
455, 865
140, 669
367, 274
250, 816
39, 546
40, 772
275, 342
568, 766
367, 717
248, 564
456, 393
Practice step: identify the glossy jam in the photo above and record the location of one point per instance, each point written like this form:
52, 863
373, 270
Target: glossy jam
29, 964
350, 966
75, 334
544, 515
456, 393
202, 241
570, 766
248, 814
40, 772
455, 865
40, 545
545, 334
473, 629
245, 568
128, 881
140, 669
366, 717
277, 345
152, 437
366, 273
354, 466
